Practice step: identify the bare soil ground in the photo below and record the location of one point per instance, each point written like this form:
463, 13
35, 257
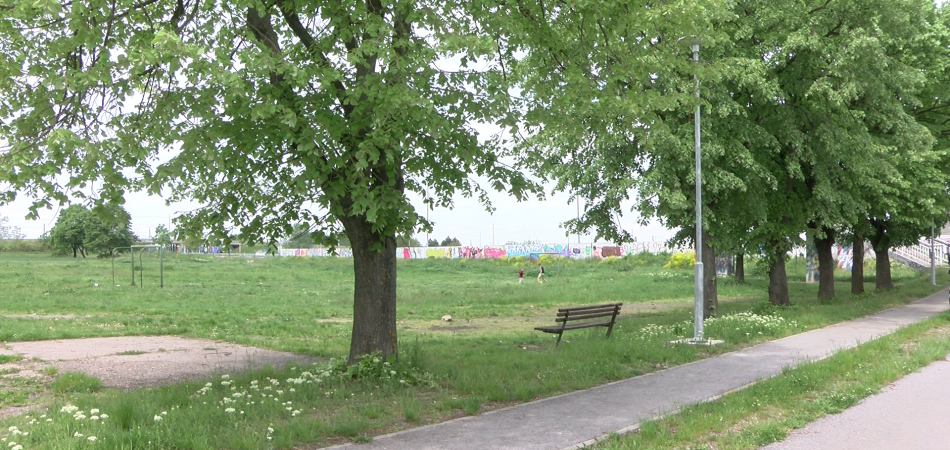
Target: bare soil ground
130, 362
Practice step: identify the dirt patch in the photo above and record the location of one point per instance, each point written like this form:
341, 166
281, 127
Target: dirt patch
141, 361
456, 328
45, 316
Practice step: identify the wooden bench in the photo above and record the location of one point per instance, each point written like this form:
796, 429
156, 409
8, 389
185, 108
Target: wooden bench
577, 317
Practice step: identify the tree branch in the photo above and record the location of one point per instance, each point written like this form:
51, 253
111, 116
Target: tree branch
293, 21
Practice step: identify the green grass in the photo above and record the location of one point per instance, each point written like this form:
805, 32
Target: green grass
17, 391
9, 358
75, 382
488, 357
769, 410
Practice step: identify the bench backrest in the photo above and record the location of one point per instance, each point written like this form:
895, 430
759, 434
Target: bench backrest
587, 312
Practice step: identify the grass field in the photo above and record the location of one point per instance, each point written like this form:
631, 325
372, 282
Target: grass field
487, 357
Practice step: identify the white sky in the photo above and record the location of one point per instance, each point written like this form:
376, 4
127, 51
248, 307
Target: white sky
469, 222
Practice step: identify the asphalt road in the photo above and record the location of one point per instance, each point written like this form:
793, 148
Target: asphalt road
910, 414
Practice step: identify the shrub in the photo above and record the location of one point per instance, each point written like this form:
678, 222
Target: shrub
680, 261
548, 259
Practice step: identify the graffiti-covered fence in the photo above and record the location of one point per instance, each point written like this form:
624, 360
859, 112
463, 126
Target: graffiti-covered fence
574, 251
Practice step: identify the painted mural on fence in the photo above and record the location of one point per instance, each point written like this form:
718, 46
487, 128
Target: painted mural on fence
843, 256
533, 251
725, 265
344, 252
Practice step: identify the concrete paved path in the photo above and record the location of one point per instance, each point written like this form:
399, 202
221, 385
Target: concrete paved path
569, 421
913, 413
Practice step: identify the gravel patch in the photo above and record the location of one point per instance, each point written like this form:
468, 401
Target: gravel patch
129, 362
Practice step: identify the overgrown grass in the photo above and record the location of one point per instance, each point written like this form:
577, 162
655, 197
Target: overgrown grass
769, 410
75, 382
486, 358
10, 358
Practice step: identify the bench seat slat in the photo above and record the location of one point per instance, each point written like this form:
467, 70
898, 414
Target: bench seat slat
573, 326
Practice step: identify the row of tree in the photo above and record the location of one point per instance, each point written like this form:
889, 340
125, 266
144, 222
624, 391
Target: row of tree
820, 117
820, 114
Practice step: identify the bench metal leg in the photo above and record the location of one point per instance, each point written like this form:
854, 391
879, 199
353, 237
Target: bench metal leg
558, 339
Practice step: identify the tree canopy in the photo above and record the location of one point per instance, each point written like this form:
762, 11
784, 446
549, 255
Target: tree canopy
81, 231
163, 236
450, 242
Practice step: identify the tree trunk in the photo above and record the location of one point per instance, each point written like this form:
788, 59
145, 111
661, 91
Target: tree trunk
882, 272
826, 266
710, 293
882, 264
778, 281
740, 268
857, 265
374, 293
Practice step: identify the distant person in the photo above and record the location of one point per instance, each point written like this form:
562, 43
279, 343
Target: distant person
541, 278
521, 275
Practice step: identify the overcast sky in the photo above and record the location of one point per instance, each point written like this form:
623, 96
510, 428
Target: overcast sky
469, 222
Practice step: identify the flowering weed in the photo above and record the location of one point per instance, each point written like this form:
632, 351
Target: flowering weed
738, 327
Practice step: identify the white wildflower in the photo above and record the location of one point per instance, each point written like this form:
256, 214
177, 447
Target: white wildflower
69, 409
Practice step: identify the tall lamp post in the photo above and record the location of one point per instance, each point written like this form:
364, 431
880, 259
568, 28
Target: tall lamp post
698, 282
933, 259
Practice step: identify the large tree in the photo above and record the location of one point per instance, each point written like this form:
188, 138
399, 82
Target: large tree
81, 231
906, 201
270, 113
69, 232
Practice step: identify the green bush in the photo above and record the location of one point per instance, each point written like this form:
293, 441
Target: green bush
680, 261
548, 259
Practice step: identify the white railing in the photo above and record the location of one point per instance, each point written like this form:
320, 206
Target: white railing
920, 253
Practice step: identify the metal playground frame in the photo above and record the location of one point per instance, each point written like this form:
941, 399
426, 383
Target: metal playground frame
161, 263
